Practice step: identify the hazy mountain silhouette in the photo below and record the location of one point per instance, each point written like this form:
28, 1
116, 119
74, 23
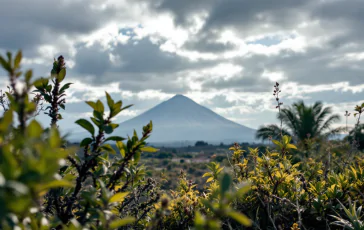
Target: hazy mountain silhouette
181, 119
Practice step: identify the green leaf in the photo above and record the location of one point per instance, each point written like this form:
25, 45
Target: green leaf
110, 101
9, 55
285, 140
199, 220
28, 75
95, 121
108, 129
207, 174
47, 98
135, 134
277, 143
108, 148
61, 75
6, 121
99, 107
149, 149
17, 59
55, 138
113, 126
244, 189
115, 112
118, 105
44, 82
98, 115
126, 107
119, 223
60, 117
86, 125
5, 64
118, 197
56, 184
34, 129
291, 146
85, 142
120, 146
225, 183
137, 156
66, 86
241, 218
92, 104
38, 84
48, 88
114, 138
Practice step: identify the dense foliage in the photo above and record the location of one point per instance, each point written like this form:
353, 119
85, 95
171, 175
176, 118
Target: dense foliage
45, 184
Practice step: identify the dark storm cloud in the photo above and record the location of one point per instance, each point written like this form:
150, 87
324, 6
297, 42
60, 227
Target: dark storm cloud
345, 16
315, 66
166, 84
142, 66
25, 24
352, 11
146, 57
92, 61
206, 43
208, 46
136, 57
235, 13
181, 9
237, 84
243, 14
248, 81
335, 96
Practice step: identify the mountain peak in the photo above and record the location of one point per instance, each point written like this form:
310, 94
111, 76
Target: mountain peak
181, 119
179, 100
180, 96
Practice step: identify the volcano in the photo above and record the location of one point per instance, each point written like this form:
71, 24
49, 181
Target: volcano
181, 119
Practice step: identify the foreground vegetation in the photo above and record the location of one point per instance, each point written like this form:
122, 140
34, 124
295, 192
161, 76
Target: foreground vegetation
44, 183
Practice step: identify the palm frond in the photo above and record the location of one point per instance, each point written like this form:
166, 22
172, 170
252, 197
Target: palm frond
264, 132
326, 125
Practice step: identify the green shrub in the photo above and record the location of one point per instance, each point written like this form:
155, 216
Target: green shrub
44, 185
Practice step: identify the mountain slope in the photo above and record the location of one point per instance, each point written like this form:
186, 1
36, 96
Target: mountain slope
181, 119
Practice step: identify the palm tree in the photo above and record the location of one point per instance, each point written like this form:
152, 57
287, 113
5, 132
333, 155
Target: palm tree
301, 121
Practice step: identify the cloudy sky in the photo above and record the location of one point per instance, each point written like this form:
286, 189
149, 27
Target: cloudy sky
224, 54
